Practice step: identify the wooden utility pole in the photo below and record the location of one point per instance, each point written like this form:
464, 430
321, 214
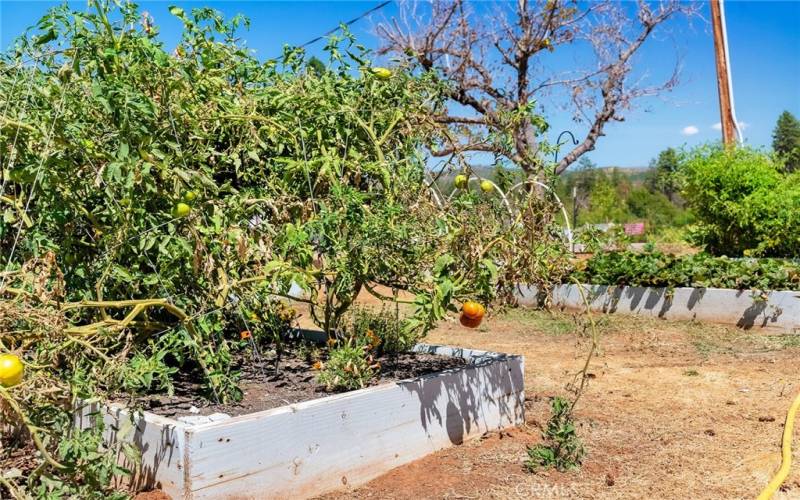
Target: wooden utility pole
723, 84
574, 206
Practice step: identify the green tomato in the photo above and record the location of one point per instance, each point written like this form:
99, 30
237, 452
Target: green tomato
189, 196
461, 181
181, 210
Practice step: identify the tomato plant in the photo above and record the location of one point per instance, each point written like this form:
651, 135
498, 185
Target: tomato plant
296, 176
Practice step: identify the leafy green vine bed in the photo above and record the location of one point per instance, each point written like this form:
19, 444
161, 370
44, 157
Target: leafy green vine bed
656, 269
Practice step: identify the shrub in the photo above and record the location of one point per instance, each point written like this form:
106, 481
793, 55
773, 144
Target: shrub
348, 367
203, 179
744, 202
562, 448
605, 204
383, 330
213, 180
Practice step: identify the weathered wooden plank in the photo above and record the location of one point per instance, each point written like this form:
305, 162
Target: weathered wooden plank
160, 439
776, 310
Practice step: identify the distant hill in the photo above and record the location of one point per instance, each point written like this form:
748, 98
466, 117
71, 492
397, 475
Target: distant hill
625, 170
635, 174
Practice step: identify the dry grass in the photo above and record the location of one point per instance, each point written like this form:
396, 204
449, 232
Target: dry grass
675, 410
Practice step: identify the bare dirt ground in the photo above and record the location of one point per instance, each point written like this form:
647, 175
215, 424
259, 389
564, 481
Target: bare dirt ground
675, 410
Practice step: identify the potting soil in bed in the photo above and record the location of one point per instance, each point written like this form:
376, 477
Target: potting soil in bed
265, 388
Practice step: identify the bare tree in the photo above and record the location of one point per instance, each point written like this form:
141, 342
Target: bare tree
490, 58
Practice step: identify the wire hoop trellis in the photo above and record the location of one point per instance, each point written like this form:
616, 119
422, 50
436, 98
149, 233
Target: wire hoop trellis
437, 197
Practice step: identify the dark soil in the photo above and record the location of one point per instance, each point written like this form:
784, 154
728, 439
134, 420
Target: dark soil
265, 388
22, 458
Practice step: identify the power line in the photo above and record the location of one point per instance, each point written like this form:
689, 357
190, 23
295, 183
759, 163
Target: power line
348, 23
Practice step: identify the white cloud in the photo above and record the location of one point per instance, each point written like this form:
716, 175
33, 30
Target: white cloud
690, 130
742, 126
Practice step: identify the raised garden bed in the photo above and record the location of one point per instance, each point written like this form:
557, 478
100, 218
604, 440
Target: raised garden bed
313, 446
778, 310
266, 384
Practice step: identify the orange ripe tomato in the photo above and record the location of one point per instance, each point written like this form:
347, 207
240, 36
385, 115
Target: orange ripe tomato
470, 322
245, 334
473, 310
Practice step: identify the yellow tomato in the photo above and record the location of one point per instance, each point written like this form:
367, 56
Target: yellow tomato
486, 186
382, 73
461, 181
11, 370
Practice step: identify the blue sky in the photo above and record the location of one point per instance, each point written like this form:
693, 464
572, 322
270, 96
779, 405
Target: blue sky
764, 42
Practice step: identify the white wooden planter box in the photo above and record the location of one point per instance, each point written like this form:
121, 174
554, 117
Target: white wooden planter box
309, 448
744, 308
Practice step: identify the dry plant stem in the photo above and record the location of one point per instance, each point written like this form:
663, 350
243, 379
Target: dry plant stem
16, 291
12, 403
256, 279
584, 371
138, 307
10, 487
502, 236
89, 346
386, 298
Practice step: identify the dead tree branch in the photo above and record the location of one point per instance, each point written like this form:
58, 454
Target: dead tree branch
492, 59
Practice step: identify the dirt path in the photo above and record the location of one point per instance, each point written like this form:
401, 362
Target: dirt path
675, 410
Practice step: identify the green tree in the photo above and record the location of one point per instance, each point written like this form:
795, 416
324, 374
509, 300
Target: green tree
661, 178
605, 202
744, 202
620, 181
584, 179
786, 140
654, 207
316, 66
575, 187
